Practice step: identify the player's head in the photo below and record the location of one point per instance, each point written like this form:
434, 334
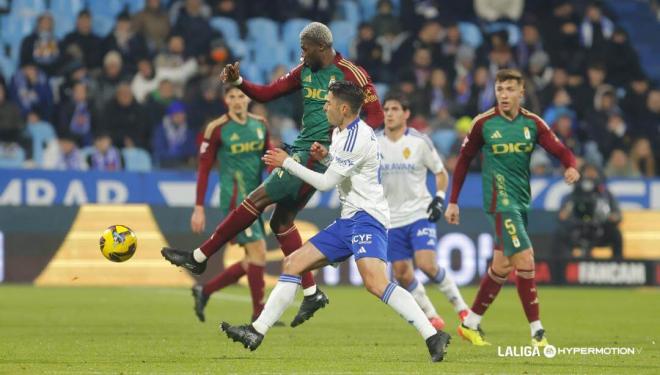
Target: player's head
509, 89
236, 100
343, 102
315, 40
397, 111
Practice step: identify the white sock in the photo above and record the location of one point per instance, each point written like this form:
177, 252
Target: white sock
279, 299
419, 294
535, 326
448, 287
404, 303
472, 320
199, 256
309, 290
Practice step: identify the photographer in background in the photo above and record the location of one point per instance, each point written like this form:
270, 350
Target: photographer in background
590, 217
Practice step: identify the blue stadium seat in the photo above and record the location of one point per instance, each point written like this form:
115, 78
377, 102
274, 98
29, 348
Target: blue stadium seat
12, 157
7, 66
343, 34
289, 135
17, 26
263, 30
268, 58
239, 50
65, 24
470, 34
368, 9
109, 8
381, 89
350, 12
512, 30
443, 139
135, 6
252, 73
227, 26
102, 25
291, 30
136, 160
28, 7
41, 133
66, 8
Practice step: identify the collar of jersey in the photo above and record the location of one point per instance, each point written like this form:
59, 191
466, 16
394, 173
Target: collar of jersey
353, 124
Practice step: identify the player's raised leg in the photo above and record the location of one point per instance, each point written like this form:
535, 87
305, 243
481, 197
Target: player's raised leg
403, 272
526, 285
427, 262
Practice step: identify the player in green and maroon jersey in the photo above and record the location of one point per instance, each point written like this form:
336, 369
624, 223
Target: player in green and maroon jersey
321, 65
506, 136
237, 140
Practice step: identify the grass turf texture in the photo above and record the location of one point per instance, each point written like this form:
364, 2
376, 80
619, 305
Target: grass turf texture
154, 330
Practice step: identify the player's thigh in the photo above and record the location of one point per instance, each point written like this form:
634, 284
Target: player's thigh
523, 260
307, 258
501, 264
255, 252
403, 271
374, 274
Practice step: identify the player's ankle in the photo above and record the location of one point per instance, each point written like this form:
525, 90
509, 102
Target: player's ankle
199, 256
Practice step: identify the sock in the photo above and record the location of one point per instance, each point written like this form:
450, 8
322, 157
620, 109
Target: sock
290, 241
404, 303
199, 256
418, 292
527, 292
490, 286
448, 287
227, 277
255, 275
279, 299
238, 220
472, 320
535, 326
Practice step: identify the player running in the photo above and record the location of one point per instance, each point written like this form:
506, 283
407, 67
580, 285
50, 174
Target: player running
407, 156
321, 66
354, 167
507, 135
237, 140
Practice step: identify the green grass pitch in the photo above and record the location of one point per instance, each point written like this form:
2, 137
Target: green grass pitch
153, 330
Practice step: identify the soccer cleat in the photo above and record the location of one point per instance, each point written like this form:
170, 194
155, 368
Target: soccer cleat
463, 314
183, 258
475, 336
437, 345
200, 301
245, 334
437, 322
309, 306
539, 339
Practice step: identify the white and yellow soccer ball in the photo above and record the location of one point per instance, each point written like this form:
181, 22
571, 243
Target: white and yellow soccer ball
118, 243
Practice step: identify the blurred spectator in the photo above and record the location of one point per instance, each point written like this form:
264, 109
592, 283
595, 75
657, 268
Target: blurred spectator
144, 81
229, 8
64, 155
462, 76
206, 105
596, 29
77, 117
385, 22
124, 119
74, 72
494, 10
559, 82
641, 156
127, 42
106, 84
450, 45
539, 74
104, 156
529, 44
562, 37
442, 119
369, 53
29, 89
438, 92
540, 164
177, 7
614, 136
560, 102
482, 92
619, 165
590, 217
157, 103
147, 78
194, 27
173, 142
585, 93
634, 102
319, 10
41, 47
11, 122
153, 24
420, 69
82, 44
621, 59
649, 124
428, 37
564, 129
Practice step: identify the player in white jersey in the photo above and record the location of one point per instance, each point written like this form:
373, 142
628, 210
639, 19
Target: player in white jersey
361, 231
407, 156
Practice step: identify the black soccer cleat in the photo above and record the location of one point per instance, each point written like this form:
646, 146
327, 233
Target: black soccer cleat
245, 334
437, 345
200, 301
309, 306
183, 258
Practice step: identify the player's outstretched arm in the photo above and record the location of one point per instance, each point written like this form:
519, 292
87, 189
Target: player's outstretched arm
207, 154
549, 141
471, 146
262, 93
320, 181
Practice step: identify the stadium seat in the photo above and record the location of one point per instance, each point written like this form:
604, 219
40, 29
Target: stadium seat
239, 50
7, 67
30, 8
443, 139
512, 30
17, 26
252, 73
291, 30
136, 160
268, 58
65, 24
227, 26
108, 8
66, 8
350, 12
135, 6
470, 34
263, 30
11, 156
102, 25
41, 133
368, 9
343, 34
289, 135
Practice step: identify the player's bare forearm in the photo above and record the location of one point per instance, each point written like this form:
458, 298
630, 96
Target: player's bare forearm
442, 181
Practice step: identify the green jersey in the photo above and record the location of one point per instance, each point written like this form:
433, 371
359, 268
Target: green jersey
506, 146
238, 147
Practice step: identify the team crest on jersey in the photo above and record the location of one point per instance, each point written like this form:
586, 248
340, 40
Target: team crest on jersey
406, 153
260, 134
234, 137
527, 135
308, 78
332, 79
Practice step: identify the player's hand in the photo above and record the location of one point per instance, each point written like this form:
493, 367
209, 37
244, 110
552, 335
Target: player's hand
452, 214
275, 157
571, 175
231, 72
198, 220
318, 151
435, 209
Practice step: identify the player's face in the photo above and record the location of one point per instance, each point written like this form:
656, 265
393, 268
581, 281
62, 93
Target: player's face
333, 110
310, 54
395, 115
237, 102
509, 94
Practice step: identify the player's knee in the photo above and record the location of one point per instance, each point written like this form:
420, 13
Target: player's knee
289, 266
502, 270
279, 225
374, 287
429, 269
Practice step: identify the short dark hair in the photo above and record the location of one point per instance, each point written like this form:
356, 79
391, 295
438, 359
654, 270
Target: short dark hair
227, 88
398, 97
348, 92
509, 74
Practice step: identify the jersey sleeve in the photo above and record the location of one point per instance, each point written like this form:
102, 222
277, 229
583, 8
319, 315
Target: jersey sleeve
284, 85
208, 151
372, 111
347, 158
431, 158
549, 141
471, 146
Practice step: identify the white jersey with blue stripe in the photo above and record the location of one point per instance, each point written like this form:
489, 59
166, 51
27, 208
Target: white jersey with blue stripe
405, 163
355, 155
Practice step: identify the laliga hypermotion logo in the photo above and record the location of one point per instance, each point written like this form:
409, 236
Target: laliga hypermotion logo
551, 351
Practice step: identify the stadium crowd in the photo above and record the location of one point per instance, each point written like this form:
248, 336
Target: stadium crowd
139, 92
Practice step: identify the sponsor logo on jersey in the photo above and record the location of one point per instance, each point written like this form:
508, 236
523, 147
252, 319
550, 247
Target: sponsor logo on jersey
344, 162
406, 153
318, 94
496, 135
332, 79
238, 148
426, 232
362, 239
507, 148
234, 137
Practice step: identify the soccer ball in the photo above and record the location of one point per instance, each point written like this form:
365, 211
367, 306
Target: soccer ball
118, 243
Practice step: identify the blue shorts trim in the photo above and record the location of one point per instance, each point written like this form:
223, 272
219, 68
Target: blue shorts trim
360, 235
404, 241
